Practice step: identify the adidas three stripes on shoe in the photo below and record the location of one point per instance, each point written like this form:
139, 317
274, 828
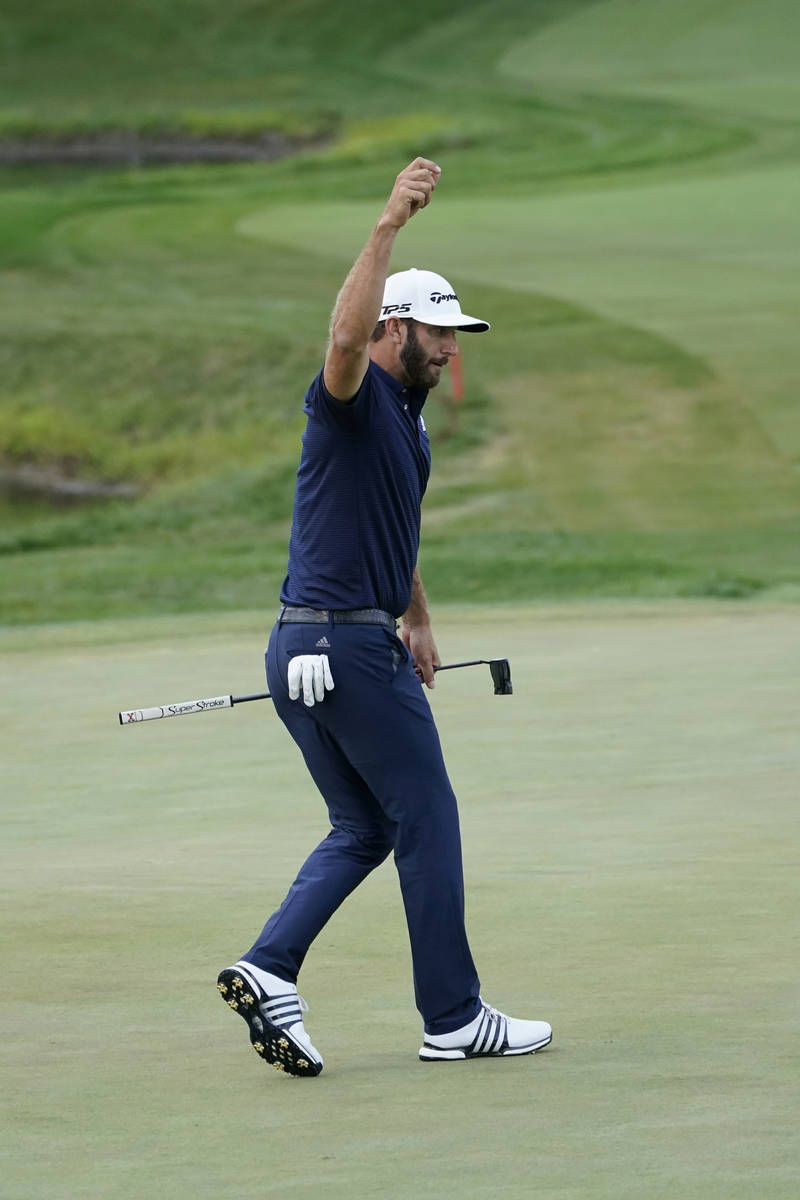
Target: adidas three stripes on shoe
491, 1034
274, 1015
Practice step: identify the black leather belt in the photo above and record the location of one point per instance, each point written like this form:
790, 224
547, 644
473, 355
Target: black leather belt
290, 615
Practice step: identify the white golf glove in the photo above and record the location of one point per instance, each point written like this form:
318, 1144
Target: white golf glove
311, 674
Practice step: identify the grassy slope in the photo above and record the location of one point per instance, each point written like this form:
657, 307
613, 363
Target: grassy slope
626, 431
732, 248
726, 54
621, 882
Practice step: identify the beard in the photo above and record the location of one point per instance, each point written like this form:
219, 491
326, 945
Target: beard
420, 372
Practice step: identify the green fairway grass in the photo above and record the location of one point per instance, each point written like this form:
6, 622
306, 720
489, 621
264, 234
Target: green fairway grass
728, 55
629, 823
618, 196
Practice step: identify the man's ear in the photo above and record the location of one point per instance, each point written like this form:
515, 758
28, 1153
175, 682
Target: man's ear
393, 330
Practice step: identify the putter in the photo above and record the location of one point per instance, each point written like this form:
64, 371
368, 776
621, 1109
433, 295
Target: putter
499, 668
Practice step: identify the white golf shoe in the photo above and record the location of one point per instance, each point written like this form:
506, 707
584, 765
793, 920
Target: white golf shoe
274, 1015
491, 1034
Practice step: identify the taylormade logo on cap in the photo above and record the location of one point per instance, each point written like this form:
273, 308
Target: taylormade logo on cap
429, 298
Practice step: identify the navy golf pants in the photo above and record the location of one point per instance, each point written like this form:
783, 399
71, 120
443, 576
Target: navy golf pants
373, 751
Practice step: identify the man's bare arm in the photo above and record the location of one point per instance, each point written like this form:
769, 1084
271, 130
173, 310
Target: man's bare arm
358, 305
417, 635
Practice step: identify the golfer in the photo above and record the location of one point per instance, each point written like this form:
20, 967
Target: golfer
348, 689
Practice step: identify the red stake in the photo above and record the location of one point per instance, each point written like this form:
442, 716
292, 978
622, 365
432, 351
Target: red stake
456, 378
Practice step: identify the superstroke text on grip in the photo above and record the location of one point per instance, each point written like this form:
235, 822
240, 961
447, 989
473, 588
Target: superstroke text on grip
132, 716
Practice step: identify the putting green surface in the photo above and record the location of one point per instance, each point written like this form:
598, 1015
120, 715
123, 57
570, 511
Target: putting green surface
630, 828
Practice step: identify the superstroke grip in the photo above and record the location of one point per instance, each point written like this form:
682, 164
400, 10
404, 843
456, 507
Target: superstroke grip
174, 710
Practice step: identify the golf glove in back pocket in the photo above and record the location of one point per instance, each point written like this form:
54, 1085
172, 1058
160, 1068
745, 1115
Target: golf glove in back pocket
311, 675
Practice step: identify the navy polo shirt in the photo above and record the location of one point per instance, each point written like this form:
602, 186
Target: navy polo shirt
363, 472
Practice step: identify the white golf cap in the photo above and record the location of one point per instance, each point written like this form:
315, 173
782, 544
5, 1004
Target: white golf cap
428, 298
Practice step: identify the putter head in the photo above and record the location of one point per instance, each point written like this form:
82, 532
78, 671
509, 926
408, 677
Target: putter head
501, 676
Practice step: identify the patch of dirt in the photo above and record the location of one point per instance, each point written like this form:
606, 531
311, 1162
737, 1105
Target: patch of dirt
135, 150
32, 481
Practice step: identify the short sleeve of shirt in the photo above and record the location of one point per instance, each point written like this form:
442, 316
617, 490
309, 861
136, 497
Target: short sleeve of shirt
346, 414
